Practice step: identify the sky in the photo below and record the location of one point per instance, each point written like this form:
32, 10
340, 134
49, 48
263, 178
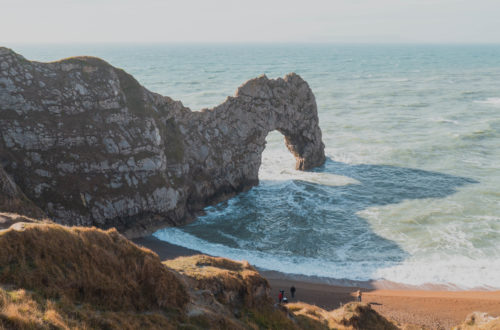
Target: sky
237, 21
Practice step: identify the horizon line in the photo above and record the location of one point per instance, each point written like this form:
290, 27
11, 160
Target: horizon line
2, 43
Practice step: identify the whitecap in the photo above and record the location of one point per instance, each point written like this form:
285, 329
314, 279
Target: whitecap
495, 101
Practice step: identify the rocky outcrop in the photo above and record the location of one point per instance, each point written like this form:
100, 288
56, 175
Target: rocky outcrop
88, 145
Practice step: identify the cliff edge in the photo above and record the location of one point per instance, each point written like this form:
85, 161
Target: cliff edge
86, 144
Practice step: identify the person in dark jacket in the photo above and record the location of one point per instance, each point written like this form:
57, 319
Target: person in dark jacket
292, 291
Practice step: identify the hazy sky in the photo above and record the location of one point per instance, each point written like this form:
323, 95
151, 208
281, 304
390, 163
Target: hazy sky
451, 21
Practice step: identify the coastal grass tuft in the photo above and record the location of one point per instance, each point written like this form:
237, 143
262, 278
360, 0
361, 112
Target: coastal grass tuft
479, 321
350, 316
231, 282
268, 317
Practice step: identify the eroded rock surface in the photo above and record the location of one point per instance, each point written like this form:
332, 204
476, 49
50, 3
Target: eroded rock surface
12, 199
88, 145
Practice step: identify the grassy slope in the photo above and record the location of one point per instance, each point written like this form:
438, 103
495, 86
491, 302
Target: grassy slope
53, 276
57, 277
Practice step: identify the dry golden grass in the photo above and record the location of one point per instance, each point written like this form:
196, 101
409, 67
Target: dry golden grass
479, 321
20, 309
56, 277
231, 282
87, 265
8, 219
361, 316
203, 266
350, 316
310, 316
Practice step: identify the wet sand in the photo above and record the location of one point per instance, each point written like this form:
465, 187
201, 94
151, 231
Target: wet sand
433, 307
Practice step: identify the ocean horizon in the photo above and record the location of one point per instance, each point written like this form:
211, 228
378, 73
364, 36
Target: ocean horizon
409, 192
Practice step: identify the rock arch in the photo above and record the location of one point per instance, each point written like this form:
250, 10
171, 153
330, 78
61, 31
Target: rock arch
87, 144
293, 112
236, 130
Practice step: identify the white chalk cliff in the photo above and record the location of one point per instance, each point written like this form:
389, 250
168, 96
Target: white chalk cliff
85, 143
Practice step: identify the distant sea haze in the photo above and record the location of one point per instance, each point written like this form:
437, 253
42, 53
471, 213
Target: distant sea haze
410, 191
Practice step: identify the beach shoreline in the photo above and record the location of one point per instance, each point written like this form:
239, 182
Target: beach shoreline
432, 306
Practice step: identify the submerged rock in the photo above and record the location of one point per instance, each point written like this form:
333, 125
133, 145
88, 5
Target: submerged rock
88, 145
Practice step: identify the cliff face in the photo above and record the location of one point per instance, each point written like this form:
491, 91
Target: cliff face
88, 145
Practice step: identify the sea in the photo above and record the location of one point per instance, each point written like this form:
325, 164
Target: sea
410, 191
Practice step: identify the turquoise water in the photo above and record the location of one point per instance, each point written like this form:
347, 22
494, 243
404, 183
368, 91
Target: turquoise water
411, 188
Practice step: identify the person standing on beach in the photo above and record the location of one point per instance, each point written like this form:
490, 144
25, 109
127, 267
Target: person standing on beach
292, 291
358, 295
280, 296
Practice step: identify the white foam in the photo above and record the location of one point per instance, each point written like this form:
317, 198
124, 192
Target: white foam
443, 120
462, 272
286, 264
326, 179
278, 164
457, 271
490, 100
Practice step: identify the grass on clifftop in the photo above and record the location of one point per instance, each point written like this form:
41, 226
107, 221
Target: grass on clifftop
53, 276
350, 316
87, 265
230, 281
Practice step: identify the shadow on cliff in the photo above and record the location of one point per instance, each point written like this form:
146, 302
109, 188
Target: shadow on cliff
295, 221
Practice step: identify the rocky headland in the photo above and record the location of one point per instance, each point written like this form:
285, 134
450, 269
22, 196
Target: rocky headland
83, 143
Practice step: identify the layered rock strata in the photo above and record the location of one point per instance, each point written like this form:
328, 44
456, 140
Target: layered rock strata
88, 145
